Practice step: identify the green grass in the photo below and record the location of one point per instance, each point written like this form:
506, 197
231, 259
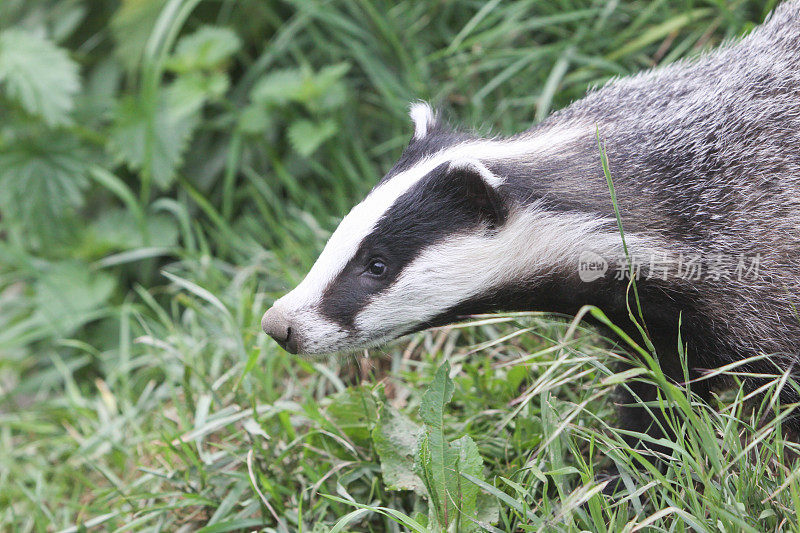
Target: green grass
169, 168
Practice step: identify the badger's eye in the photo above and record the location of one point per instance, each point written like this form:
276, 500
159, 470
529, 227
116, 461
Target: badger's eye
376, 268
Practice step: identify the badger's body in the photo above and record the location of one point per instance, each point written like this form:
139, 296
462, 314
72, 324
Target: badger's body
705, 159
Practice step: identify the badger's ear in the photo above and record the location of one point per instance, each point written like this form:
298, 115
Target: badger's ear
424, 118
481, 189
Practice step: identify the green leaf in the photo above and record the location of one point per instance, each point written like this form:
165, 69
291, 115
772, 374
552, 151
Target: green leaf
395, 437
442, 465
465, 493
41, 178
254, 119
236, 524
279, 87
332, 93
307, 136
331, 74
189, 92
69, 294
436, 397
323, 89
152, 137
66, 17
487, 508
206, 49
118, 229
38, 75
436, 461
354, 410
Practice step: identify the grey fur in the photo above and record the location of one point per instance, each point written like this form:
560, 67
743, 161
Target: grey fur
705, 156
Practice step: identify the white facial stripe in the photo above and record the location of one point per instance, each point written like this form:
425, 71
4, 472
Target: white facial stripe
345, 241
444, 275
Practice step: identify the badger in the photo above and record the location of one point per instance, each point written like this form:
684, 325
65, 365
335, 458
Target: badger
705, 160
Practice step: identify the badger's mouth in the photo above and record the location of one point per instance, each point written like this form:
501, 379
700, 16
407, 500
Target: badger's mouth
306, 333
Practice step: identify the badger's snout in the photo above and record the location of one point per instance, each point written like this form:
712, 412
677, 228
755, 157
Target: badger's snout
277, 325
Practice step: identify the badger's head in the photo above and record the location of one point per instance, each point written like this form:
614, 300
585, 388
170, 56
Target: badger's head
437, 237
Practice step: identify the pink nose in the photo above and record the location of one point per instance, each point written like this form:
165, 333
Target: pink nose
276, 324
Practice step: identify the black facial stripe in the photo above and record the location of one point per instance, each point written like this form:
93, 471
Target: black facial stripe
440, 205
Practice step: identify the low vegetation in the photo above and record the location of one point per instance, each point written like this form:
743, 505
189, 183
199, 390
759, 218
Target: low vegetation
169, 167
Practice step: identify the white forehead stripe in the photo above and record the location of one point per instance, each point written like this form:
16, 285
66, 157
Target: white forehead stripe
476, 166
361, 220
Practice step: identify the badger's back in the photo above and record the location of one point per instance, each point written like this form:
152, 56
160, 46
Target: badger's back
705, 158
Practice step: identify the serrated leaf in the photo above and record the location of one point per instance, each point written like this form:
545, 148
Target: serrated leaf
436, 461
40, 179
205, 49
465, 493
189, 92
69, 294
278, 87
330, 91
152, 138
307, 136
442, 465
38, 75
330, 74
302, 86
439, 394
395, 437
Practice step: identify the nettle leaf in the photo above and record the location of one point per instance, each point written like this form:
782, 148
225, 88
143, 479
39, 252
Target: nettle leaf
38, 75
306, 136
40, 179
302, 86
278, 87
332, 92
189, 92
395, 439
70, 294
152, 137
206, 49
